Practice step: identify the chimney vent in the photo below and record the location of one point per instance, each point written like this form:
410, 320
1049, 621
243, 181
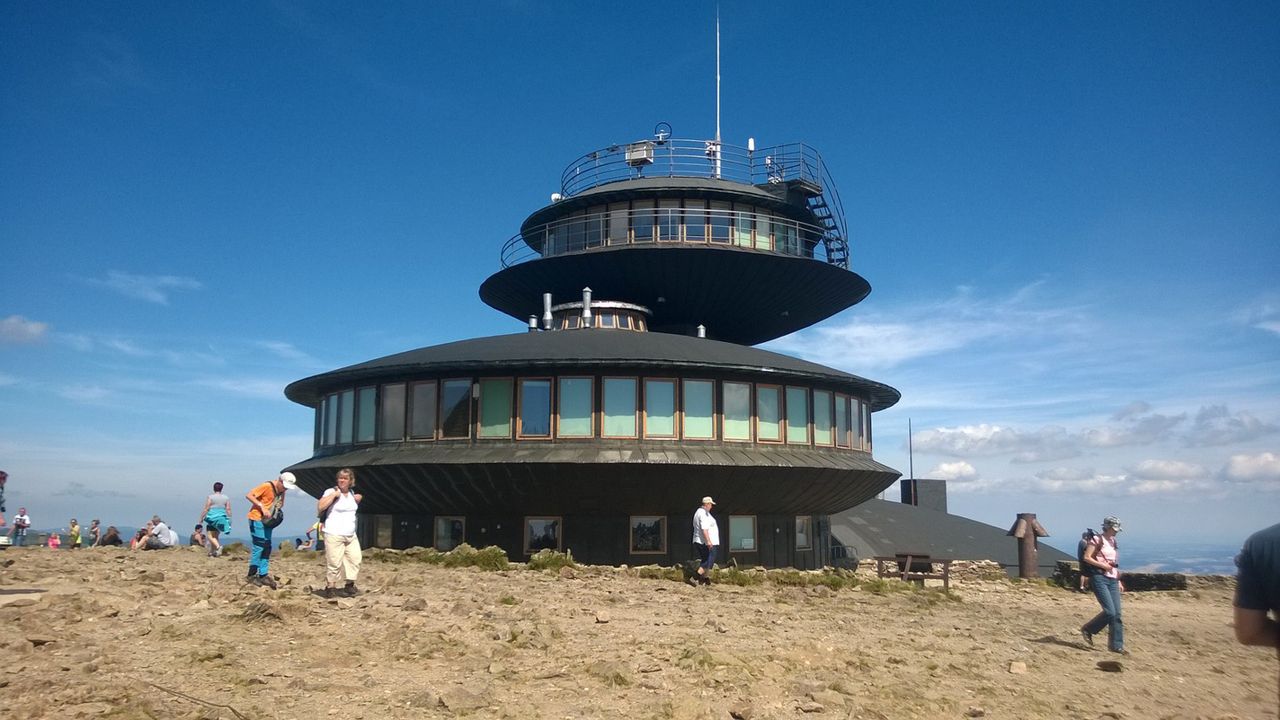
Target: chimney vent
546, 311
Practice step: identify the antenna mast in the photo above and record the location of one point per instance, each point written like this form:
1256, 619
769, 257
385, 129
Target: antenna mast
716, 150
911, 456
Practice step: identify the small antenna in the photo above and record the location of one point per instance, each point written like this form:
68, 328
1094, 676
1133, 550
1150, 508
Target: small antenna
717, 148
911, 457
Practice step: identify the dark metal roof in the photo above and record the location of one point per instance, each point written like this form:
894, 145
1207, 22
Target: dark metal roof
882, 528
740, 295
602, 350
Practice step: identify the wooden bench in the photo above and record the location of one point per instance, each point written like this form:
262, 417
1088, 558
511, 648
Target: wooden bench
914, 566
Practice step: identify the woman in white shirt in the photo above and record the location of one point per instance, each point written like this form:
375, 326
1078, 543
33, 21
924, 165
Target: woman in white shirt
1104, 554
338, 507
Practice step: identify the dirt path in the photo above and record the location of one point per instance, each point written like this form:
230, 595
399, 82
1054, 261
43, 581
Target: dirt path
120, 634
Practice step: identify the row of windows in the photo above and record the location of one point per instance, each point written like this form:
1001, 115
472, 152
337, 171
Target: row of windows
648, 533
683, 221
604, 319
543, 408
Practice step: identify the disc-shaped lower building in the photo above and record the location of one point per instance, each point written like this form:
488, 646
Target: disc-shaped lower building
600, 428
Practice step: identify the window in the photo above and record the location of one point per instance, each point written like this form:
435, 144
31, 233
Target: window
668, 221
648, 534
495, 408
541, 533
331, 420
659, 408
695, 221
642, 221
455, 409
743, 222
593, 227
768, 413
763, 241
699, 410
382, 531
858, 410
366, 405
618, 215
866, 421
619, 407
842, 421
784, 234
742, 533
391, 414
721, 220
346, 417
737, 411
572, 322
606, 320
804, 532
450, 532
423, 422
575, 408
535, 408
822, 431
798, 415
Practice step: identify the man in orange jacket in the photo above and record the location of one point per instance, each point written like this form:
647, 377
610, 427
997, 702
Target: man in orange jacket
263, 501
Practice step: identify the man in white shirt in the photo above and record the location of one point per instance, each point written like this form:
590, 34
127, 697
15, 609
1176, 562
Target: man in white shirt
21, 522
161, 536
706, 539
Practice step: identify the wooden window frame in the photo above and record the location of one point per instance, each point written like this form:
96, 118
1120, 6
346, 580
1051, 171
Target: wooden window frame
755, 534
813, 403
795, 536
635, 403
631, 534
356, 425
404, 415
408, 410
471, 409
751, 397
842, 408
808, 416
435, 534
591, 382
715, 420
479, 419
551, 406
782, 415
675, 408
524, 531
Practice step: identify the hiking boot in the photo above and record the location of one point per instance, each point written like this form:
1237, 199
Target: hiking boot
350, 590
1088, 636
327, 593
267, 581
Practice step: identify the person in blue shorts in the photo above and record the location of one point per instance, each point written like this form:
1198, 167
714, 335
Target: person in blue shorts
216, 517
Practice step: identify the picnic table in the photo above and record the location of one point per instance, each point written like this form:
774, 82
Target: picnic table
915, 567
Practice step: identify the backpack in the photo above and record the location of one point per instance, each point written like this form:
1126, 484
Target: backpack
1086, 538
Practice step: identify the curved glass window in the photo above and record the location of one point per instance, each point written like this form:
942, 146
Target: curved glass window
495, 408
660, 408
822, 425
455, 409
737, 411
391, 413
768, 413
346, 417
699, 409
575, 407
535, 408
798, 415
423, 422
842, 420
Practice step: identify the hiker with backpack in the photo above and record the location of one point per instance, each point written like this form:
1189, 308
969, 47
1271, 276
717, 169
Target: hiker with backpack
1103, 556
337, 510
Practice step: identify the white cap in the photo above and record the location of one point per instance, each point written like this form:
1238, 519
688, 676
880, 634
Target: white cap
290, 482
708, 501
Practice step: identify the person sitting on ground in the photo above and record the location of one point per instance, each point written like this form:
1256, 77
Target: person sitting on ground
140, 537
160, 538
111, 537
55, 542
197, 537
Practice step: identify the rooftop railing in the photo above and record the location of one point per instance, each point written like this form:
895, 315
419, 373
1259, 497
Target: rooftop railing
748, 231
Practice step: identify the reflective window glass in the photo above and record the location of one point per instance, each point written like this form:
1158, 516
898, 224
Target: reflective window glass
607, 320
804, 532
346, 417
455, 409
541, 533
798, 415
659, 408
575, 407
859, 409
743, 222
642, 221
742, 533
366, 405
695, 221
450, 532
495, 408
721, 221
423, 422
619, 407
768, 413
535, 407
737, 411
822, 430
842, 420
763, 241
391, 414
668, 220
648, 534
331, 420
619, 216
699, 409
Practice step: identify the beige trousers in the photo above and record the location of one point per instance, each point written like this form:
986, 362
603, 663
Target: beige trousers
341, 559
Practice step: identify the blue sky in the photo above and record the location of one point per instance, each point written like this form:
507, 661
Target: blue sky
1069, 215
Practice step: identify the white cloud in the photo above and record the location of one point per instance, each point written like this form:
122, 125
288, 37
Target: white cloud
1261, 469
1137, 407
84, 393
16, 330
959, 471
1215, 425
151, 288
248, 387
1269, 326
1133, 430
6, 380
286, 351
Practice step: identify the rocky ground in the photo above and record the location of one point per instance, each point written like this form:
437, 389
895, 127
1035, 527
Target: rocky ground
175, 634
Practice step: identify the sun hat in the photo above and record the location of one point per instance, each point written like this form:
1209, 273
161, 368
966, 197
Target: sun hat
708, 501
1111, 521
290, 482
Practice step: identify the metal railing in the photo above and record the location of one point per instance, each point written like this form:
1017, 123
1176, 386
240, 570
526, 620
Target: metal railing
656, 227
705, 159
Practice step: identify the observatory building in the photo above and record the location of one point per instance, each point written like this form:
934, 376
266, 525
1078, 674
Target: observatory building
633, 390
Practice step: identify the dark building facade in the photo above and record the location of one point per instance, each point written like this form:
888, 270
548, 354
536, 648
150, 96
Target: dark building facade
634, 391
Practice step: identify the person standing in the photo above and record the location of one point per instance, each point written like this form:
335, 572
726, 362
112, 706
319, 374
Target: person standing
706, 539
73, 535
216, 517
264, 500
1104, 556
95, 533
21, 522
338, 506
1258, 591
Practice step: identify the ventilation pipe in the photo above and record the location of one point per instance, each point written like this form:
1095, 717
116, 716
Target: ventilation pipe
586, 307
702, 331
546, 311
533, 323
